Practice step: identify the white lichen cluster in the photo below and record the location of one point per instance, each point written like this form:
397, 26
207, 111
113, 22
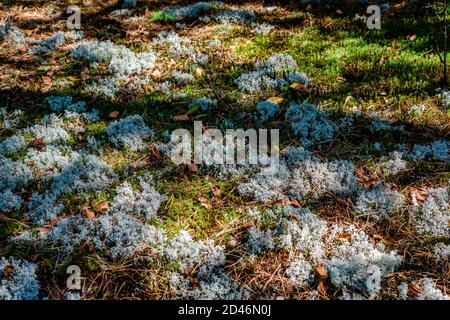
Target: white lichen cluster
179, 46
298, 175
12, 35
441, 251
445, 98
204, 103
48, 44
46, 159
266, 111
349, 256
438, 150
262, 29
277, 71
310, 124
394, 164
130, 132
427, 289
18, 280
10, 120
13, 176
434, 214
143, 203
377, 203
12, 144
236, 16
193, 11
122, 63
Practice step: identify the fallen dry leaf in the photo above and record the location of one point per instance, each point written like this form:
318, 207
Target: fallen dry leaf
47, 81
345, 237
156, 74
299, 88
88, 213
181, 117
154, 153
321, 272
199, 72
248, 225
321, 288
413, 290
216, 191
347, 100
193, 167
114, 114
7, 271
232, 243
205, 203
361, 176
294, 203
37, 143
398, 6
275, 100
102, 207
46, 228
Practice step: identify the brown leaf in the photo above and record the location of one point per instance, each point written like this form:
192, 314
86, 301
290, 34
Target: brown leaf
413, 290
347, 100
181, 117
413, 37
102, 207
421, 195
398, 6
345, 237
199, 72
321, 272
37, 143
286, 202
232, 243
47, 80
154, 153
341, 79
80, 137
248, 225
275, 100
299, 88
114, 114
321, 288
361, 176
156, 74
88, 213
205, 203
7, 271
193, 167
216, 191
46, 228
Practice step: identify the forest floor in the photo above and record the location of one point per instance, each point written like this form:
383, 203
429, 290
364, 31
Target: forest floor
370, 189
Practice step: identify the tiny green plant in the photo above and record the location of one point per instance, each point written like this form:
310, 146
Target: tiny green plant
162, 16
